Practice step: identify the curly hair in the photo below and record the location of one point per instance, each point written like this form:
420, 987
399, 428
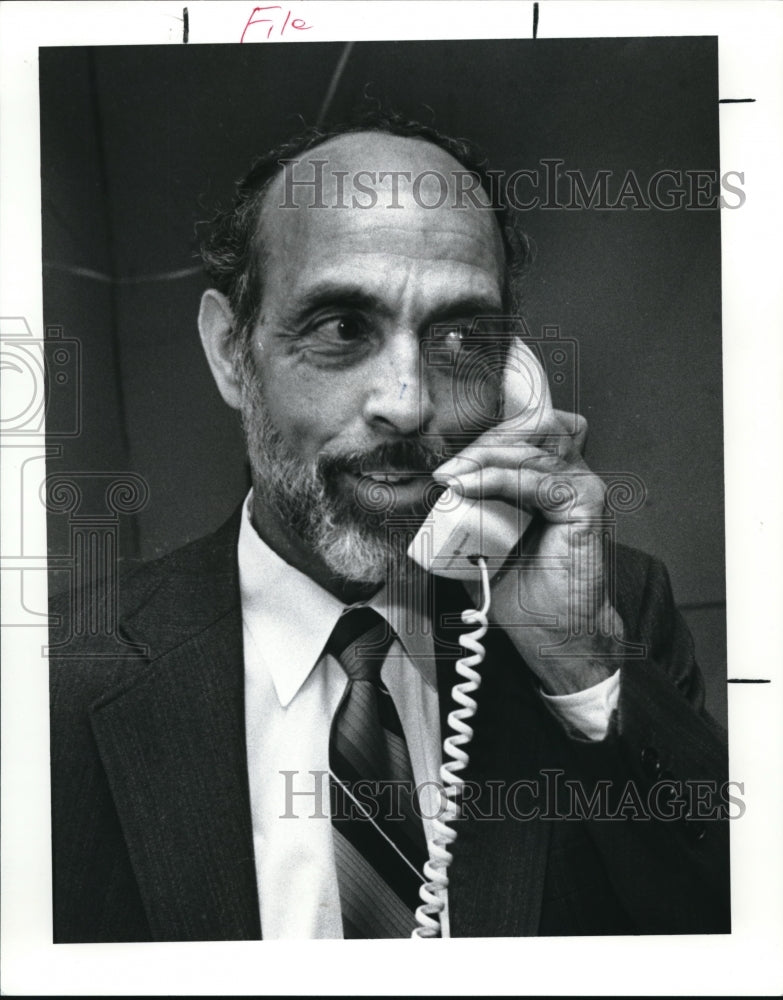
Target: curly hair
231, 248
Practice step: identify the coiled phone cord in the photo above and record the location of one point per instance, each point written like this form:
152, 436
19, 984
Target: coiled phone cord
436, 868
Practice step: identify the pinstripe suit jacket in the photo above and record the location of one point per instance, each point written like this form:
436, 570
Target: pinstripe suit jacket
152, 836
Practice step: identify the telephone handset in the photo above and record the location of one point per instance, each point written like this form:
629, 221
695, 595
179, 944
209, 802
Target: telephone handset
460, 539
458, 529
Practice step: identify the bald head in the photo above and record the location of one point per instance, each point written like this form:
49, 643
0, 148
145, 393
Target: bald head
362, 169
375, 253
385, 162
369, 195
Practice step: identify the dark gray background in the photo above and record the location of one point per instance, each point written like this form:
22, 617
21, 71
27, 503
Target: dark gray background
139, 142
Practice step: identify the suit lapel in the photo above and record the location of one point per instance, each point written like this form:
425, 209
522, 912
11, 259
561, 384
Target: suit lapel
172, 743
497, 876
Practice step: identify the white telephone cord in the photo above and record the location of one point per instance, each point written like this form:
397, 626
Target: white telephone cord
436, 868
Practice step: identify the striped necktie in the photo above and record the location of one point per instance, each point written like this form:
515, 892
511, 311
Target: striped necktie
378, 836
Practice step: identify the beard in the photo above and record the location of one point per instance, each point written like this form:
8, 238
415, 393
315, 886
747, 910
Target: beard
359, 533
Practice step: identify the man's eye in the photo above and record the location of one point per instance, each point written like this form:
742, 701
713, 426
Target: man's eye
341, 329
456, 335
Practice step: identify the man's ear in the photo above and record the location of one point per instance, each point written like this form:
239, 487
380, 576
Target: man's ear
216, 327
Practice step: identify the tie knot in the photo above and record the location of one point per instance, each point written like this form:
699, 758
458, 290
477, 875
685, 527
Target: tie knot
360, 641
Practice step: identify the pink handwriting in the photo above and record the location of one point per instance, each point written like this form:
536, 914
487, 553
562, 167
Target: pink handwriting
274, 21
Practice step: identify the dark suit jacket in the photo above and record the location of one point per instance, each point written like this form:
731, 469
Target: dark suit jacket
152, 835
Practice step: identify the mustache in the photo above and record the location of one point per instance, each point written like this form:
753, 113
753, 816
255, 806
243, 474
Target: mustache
406, 455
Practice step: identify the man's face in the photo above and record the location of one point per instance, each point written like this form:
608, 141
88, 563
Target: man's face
347, 393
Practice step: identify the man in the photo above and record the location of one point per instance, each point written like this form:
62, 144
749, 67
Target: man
229, 778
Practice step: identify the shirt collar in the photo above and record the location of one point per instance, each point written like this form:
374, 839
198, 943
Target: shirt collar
292, 616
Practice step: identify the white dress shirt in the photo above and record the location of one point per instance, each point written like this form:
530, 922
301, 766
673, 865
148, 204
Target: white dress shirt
292, 690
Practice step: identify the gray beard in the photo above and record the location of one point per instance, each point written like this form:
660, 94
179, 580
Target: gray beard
351, 535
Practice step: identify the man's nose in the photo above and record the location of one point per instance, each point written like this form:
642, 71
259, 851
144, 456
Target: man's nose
399, 401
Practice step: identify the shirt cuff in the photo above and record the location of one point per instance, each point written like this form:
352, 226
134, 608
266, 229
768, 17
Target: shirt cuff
587, 712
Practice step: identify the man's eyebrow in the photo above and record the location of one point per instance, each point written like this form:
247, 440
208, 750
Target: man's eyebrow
469, 307
348, 295
338, 294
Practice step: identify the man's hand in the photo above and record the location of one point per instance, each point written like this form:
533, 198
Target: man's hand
558, 592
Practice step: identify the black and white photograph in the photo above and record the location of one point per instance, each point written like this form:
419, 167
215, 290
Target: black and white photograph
384, 479
567, 275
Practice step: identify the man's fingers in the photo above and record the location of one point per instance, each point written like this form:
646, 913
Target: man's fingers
501, 446
559, 493
475, 459
580, 428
